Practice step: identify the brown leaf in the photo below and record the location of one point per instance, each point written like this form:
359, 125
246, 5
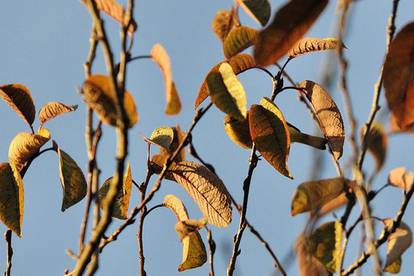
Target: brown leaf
194, 252
206, 189
259, 10
401, 178
53, 109
25, 145
160, 56
289, 24
308, 264
238, 39
188, 226
238, 63
328, 115
377, 142
397, 242
224, 21
270, 134
19, 98
238, 131
399, 77
310, 45
11, 198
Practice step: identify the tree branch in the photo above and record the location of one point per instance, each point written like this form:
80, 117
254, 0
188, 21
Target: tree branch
8, 238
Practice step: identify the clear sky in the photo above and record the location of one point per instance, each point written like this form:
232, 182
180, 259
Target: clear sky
44, 45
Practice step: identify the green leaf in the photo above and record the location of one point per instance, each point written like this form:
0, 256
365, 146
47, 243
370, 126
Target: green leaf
11, 198
238, 39
227, 93
163, 137
259, 10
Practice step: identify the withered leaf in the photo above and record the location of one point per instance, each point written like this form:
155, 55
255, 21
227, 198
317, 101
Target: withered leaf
238, 131
308, 264
224, 21
401, 178
53, 109
377, 142
259, 10
238, 39
395, 267
176, 206
309, 45
296, 136
397, 242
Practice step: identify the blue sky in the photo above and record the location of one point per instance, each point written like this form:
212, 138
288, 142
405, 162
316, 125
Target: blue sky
44, 45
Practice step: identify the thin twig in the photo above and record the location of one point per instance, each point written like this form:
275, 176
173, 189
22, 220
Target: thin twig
8, 238
211, 250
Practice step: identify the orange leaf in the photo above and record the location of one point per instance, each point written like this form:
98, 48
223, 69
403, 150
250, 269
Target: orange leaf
53, 109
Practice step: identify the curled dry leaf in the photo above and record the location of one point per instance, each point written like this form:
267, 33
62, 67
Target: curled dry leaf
25, 145
162, 136
72, 179
19, 98
186, 227
398, 242
270, 134
259, 10
308, 264
296, 136
176, 206
238, 39
227, 93
289, 24
328, 115
239, 63
399, 77
224, 21
11, 198
401, 178
309, 45
238, 131
160, 56
99, 94
53, 109
206, 189
377, 142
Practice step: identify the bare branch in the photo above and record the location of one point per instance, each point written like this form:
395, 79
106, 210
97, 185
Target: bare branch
8, 238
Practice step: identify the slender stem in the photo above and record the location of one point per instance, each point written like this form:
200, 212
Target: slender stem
8, 238
211, 250
139, 57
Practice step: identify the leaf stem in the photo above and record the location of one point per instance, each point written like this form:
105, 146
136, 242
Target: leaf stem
8, 238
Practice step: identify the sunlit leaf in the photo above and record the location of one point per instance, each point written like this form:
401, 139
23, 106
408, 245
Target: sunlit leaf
401, 178
238, 39
53, 109
397, 242
328, 115
395, 267
270, 134
72, 179
296, 136
239, 63
377, 142
19, 98
325, 244
11, 198
399, 77
223, 22
162, 136
312, 195
309, 45
121, 206
160, 56
25, 145
207, 191
176, 206
289, 24
238, 131
308, 264
259, 10
99, 95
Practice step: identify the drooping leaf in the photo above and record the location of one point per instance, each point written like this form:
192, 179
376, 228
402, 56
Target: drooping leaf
186, 227
309, 45
325, 244
399, 77
227, 93
11, 198
296, 136
401, 178
377, 142
224, 21
308, 264
72, 180
270, 134
397, 242
312, 195
176, 206
19, 98
121, 206
289, 24
160, 56
395, 267
53, 109
162, 136
238, 39
238, 131
238, 63
328, 115
25, 145
259, 10
206, 189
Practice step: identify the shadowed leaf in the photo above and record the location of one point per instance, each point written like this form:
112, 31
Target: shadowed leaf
296, 136
238, 39
377, 142
223, 22
309, 45
259, 10
308, 264
162, 136
395, 267
398, 242
401, 178
238, 131
53, 109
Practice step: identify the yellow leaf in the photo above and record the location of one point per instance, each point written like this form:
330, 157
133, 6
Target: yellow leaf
188, 226
397, 242
19, 98
99, 95
309, 45
206, 189
121, 206
401, 178
238, 131
377, 141
289, 24
194, 252
176, 206
53, 109
325, 244
259, 10
328, 115
308, 264
160, 56
72, 179
270, 134
11, 198
395, 267
399, 77
238, 39
223, 22
296, 136
227, 93
25, 145
162, 136
239, 63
